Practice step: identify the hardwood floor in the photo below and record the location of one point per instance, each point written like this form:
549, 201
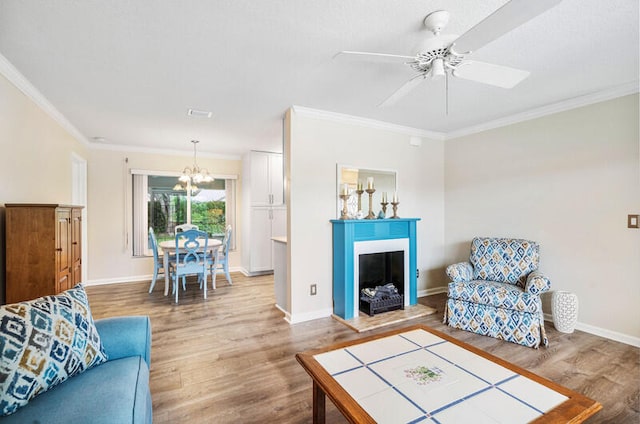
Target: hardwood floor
230, 358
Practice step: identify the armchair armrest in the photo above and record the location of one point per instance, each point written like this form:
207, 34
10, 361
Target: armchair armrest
126, 336
462, 271
537, 283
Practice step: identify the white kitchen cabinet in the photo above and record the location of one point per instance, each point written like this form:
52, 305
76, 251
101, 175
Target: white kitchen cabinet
265, 215
266, 178
265, 223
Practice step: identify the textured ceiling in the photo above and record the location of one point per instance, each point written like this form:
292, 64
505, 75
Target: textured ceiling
129, 70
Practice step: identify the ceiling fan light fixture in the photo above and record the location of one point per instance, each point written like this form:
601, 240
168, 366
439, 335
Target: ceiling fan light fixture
437, 68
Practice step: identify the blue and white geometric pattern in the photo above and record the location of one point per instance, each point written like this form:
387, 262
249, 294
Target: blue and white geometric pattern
500, 295
503, 259
416, 376
524, 328
497, 293
43, 342
462, 271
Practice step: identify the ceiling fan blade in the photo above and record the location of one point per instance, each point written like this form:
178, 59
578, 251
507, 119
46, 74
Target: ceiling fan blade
508, 17
374, 56
488, 73
403, 91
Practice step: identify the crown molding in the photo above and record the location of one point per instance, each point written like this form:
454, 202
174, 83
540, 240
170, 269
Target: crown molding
17, 79
366, 122
152, 150
550, 109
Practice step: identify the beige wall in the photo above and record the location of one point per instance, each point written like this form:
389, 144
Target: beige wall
35, 163
31, 140
109, 211
567, 181
315, 146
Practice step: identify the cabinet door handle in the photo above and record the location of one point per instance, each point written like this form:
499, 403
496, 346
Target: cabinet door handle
75, 242
59, 249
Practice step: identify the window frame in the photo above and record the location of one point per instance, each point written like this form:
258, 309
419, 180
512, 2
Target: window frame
141, 220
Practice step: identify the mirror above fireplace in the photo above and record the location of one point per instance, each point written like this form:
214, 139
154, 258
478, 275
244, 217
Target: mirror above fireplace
384, 181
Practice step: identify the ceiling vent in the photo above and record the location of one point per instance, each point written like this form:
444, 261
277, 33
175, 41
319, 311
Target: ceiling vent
199, 113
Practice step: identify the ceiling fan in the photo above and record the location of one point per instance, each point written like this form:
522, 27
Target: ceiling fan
443, 55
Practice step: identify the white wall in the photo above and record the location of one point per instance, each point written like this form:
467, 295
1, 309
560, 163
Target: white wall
110, 253
315, 145
567, 181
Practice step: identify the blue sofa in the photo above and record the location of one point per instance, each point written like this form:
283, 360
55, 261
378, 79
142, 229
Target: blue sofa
116, 391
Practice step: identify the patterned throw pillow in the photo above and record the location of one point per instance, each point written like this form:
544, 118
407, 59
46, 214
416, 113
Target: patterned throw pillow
43, 342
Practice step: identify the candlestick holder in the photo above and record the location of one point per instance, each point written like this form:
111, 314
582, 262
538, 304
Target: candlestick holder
371, 215
395, 209
359, 192
344, 214
384, 208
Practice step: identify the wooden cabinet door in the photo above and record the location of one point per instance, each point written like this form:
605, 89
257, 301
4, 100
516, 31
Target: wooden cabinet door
76, 246
63, 249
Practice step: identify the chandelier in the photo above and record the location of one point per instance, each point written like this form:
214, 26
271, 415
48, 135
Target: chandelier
194, 174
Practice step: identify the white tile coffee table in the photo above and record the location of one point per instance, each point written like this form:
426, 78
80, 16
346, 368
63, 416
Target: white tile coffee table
420, 375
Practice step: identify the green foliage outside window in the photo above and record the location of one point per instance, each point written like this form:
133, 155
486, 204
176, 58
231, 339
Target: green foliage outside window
166, 210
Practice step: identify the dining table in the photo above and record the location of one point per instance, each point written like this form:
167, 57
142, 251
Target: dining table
169, 246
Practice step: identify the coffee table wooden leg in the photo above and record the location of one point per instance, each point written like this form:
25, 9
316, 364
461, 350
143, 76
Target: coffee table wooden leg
318, 404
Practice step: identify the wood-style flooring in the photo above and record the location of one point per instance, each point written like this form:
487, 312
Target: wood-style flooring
231, 358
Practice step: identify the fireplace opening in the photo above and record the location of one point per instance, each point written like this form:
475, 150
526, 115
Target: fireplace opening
382, 274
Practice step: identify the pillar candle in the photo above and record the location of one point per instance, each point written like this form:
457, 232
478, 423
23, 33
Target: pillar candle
370, 183
345, 189
384, 197
359, 185
395, 197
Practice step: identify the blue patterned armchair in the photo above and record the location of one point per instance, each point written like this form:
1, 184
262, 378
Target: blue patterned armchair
497, 293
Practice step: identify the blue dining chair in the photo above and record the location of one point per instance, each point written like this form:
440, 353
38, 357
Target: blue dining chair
221, 261
184, 227
191, 259
158, 267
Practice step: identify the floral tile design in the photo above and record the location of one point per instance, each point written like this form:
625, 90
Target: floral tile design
418, 377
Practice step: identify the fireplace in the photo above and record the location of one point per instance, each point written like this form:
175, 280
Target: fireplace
356, 242
378, 262
378, 269
381, 282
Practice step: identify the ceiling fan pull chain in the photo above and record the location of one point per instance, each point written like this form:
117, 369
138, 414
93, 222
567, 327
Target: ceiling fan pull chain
446, 95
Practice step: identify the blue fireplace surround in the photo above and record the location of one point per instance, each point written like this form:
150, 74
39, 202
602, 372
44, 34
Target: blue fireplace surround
345, 234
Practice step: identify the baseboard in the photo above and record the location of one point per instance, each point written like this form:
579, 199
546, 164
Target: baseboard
118, 280
287, 315
602, 332
430, 292
138, 278
308, 316
246, 272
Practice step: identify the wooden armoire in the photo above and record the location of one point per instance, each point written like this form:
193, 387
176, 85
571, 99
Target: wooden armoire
43, 249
